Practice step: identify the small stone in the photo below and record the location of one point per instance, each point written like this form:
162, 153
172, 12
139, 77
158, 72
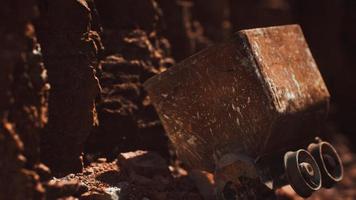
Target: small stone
95, 196
143, 163
58, 188
43, 171
114, 192
101, 160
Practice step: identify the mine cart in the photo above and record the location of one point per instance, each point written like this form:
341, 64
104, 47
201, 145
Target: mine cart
250, 108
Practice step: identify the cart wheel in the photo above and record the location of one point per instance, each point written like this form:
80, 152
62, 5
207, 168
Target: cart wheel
228, 171
329, 163
227, 185
302, 172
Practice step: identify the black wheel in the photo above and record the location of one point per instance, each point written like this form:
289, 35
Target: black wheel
329, 163
302, 172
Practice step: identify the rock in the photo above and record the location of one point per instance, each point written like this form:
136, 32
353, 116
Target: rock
183, 29
109, 193
143, 163
101, 160
68, 198
70, 46
29, 90
15, 181
96, 196
58, 188
43, 171
134, 51
114, 192
140, 180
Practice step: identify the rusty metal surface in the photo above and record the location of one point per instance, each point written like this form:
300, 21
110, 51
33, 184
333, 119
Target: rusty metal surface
287, 67
247, 95
294, 84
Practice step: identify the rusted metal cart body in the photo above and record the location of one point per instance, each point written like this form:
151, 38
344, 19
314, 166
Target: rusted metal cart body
257, 95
